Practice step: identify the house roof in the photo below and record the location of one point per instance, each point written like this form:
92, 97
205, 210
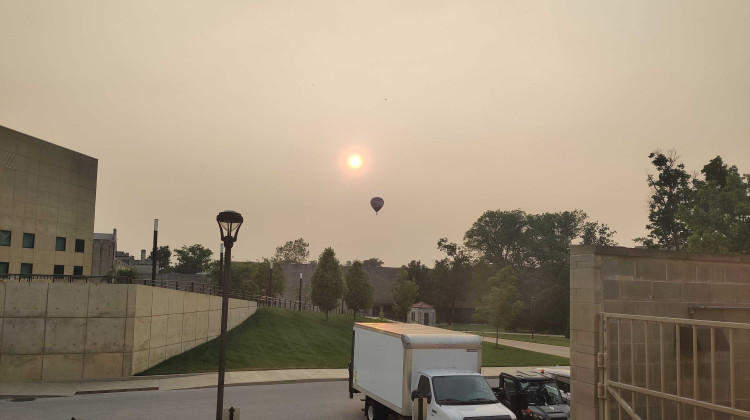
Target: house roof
422, 305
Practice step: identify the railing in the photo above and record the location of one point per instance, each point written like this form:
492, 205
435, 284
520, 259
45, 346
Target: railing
643, 387
184, 285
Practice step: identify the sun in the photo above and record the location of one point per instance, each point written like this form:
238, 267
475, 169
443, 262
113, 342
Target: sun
355, 161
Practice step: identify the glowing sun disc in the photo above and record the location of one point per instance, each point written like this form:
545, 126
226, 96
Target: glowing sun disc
355, 161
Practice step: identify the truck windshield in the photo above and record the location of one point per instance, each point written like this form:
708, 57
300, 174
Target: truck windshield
542, 392
462, 390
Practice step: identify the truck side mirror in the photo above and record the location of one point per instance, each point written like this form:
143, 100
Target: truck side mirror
415, 394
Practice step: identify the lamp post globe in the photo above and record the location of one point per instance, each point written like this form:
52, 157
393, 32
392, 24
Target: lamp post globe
229, 225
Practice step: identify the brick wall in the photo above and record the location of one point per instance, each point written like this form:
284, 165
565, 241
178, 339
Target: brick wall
664, 284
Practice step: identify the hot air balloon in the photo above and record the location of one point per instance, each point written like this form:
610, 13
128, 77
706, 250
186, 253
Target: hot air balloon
377, 204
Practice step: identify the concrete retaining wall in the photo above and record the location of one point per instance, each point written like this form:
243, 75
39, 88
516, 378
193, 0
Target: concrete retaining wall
63, 331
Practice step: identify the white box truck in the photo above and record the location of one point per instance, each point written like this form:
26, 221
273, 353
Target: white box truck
416, 371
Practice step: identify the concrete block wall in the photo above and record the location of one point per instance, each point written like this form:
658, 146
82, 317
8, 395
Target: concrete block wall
654, 283
63, 331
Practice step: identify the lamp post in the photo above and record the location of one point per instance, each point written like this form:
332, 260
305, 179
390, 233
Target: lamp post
300, 291
270, 284
221, 262
153, 252
532, 318
229, 225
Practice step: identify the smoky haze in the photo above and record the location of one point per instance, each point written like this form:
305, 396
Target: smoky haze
455, 108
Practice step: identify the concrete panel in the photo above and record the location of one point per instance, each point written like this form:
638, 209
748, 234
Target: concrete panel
696, 292
108, 300
728, 293
160, 304
143, 300
65, 335
201, 325
102, 365
200, 341
617, 269
23, 336
190, 302
127, 363
214, 303
176, 301
24, 299
131, 304
667, 291
635, 290
214, 323
140, 362
156, 355
62, 367
21, 367
68, 300
129, 335
188, 326
710, 273
681, 271
648, 269
735, 273
202, 302
142, 333
105, 335
174, 329
158, 331
173, 350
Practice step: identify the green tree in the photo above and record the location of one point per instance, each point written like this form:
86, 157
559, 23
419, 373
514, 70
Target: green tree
123, 275
295, 251
163, 256
192, 259
241, 278
454, 279
372, 263
718, 217
500, 306
499, 237
421, 275
405, 292
359, 290
262, 276
670, 190
327, 281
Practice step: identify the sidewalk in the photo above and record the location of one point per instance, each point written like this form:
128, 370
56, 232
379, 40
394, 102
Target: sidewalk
191, 381
537, 347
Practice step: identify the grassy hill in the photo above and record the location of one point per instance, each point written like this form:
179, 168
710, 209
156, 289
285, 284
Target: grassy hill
279, 339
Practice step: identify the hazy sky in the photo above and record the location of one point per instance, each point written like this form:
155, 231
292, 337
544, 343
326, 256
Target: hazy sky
457, 107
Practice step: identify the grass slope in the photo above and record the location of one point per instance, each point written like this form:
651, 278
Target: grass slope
489, 331
280, 339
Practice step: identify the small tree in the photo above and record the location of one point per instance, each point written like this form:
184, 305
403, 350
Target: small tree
359, 290
405, 292
327, 281
372, 263
501, 305
262, 276
295, 251
163, 256
192, 259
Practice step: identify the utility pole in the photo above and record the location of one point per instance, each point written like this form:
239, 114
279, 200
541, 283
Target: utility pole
153, 252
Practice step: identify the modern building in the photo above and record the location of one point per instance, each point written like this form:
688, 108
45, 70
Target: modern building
47, 202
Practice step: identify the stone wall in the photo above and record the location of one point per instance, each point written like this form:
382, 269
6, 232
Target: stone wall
663, 284
64, 331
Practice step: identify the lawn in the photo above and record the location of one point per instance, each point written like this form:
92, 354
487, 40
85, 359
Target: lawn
280, 339
489, 331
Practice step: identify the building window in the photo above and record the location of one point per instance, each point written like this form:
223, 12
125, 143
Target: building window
4, 238
59, 270
77, 270
80, 245
28, 240
60, 244
3, 268
413, 316
27, 268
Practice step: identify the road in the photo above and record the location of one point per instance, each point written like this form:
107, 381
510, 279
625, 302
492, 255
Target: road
317, 400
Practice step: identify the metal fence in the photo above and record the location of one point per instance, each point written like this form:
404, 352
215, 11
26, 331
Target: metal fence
184, 285
666, 368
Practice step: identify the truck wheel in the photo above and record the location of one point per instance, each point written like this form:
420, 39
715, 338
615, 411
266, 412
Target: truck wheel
373, 410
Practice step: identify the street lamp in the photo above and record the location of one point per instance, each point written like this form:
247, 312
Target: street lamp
300, 291
229, 225
532, 318
270, 284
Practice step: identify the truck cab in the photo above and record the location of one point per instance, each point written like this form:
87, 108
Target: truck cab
539, 395
449, 394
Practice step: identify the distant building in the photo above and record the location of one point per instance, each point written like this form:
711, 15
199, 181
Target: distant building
422, 313
47, 202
